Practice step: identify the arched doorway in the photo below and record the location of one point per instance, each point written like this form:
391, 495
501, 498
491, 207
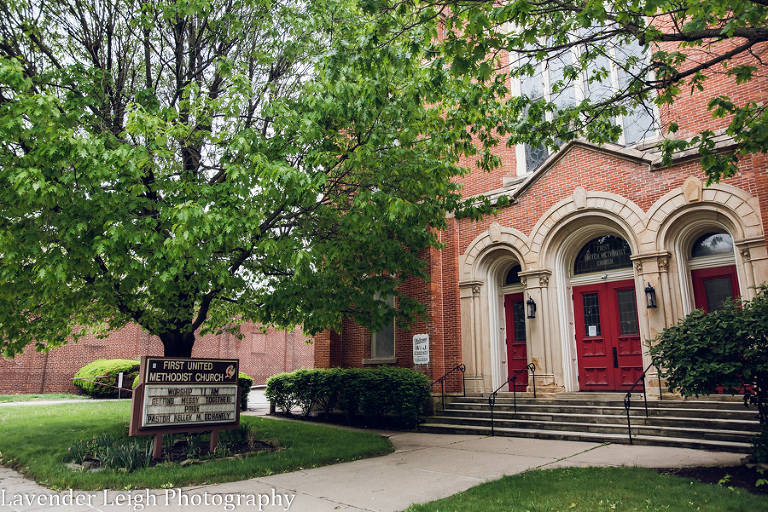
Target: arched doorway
713, 270
516, 338
606, 326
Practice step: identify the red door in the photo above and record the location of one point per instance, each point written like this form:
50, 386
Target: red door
517, 352
607, 336
711, 286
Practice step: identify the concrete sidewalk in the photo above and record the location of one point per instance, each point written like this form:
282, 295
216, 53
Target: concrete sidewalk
423, 468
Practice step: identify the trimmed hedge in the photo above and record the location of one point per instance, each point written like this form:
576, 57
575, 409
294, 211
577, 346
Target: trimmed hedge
101, 374
398, 393
244, 382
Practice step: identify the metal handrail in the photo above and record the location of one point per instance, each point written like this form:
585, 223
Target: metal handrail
628, 397
441, 380
513, 379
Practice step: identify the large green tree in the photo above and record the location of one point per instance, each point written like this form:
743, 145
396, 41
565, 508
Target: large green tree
187, 164
658, 49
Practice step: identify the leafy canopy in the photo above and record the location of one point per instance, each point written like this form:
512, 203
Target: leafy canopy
660, 49
188, 165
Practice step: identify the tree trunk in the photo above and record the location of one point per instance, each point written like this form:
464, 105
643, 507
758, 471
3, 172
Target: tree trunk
177, 343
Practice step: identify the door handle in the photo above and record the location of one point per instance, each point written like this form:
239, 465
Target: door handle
615, 358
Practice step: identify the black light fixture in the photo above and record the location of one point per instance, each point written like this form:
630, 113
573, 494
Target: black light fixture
650, 297
531, 305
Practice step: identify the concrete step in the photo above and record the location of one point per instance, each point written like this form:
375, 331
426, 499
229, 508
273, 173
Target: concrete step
720, 424
616, 402
604, 428
636, 409
751, 426
701, 444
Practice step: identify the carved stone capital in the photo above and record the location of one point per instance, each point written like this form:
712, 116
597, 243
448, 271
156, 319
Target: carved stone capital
745, 254
663, 263
535, 278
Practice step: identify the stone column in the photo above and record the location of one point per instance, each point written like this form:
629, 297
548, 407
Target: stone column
652, 268
544, 349
754, 262
471, 334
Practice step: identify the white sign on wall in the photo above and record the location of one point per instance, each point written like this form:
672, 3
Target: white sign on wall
421, 349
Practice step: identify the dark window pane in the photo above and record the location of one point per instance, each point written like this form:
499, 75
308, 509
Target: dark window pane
518, 318
627, 311
513, 276
383, 340
717, 290
712, 244
604, 253
591, 315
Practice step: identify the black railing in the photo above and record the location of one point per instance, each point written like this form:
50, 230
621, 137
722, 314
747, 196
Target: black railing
460, 368
628, 397
513, 379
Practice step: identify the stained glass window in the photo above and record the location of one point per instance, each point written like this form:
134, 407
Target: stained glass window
608, 252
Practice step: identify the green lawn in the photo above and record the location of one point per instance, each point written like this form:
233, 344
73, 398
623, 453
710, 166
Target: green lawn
40, 396
35, 441
597, 489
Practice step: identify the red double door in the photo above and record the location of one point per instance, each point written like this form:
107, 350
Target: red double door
517, 351
607, 336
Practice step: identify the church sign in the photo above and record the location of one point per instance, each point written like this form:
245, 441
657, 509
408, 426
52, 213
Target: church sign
185, 395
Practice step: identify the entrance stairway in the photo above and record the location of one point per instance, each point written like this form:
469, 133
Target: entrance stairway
719, 423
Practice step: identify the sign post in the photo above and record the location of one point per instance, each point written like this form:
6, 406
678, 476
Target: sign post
185, 395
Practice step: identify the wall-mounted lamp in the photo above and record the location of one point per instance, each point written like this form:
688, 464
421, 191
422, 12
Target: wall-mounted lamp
531, 305
650, 297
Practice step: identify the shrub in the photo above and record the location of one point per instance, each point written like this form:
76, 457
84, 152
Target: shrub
244, 382
396, 393
760, 447
727, 347
95, 378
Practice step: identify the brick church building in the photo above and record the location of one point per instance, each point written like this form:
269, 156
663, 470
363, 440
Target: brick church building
609, 247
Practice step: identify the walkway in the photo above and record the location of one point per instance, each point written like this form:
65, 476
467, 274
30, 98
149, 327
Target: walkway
423, 468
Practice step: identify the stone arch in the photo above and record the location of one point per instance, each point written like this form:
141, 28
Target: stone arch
482, 268
733, 208
602, 206
678, 218
472, 262
555, 241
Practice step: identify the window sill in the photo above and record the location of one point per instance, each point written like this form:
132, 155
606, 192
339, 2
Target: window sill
380, 360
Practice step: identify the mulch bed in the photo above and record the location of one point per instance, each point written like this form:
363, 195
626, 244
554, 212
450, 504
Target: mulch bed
180, 451
727, 476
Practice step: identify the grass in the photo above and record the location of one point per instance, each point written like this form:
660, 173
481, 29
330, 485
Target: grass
40, 396
35, 442
623, 489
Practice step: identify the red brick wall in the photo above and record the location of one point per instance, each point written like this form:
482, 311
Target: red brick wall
261, 355
594, 171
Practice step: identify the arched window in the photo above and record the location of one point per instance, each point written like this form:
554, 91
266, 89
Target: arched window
607, 252
513, 276
712, 244
713, 272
